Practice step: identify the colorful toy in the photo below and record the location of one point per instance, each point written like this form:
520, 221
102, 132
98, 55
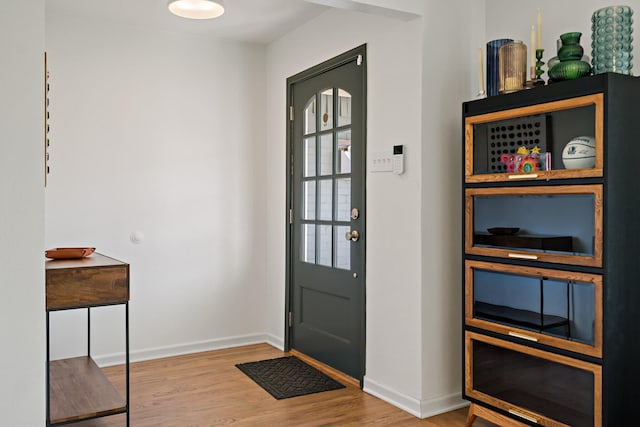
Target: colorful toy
526, 160
528, 164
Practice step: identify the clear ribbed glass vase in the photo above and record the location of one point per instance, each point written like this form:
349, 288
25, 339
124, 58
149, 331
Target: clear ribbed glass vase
513, 66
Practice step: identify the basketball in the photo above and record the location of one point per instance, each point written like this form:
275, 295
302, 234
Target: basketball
580, 153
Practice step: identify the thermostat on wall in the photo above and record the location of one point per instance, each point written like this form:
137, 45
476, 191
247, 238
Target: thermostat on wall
398, 159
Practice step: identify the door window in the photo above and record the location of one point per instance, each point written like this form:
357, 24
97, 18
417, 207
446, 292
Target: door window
326, 177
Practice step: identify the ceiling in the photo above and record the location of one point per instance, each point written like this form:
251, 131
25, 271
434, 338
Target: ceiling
256, 21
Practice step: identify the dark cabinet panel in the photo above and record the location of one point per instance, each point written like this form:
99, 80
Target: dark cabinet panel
557, 224
533, 383
551, 255
557, 308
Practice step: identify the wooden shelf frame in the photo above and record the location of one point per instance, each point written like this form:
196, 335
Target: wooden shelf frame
594, 260
524, 413
594, 350
596, 100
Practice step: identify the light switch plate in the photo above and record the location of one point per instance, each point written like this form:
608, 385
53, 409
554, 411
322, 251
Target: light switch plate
381, 161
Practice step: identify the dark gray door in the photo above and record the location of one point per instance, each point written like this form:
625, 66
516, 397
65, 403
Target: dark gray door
326, 245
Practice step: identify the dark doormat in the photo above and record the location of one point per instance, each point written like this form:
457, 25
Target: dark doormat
289, 376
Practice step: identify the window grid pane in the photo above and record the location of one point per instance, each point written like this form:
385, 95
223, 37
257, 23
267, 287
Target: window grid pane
309, 200
342, 248
310, 116
326, 109
308, 246
326, 154
309, 156
344, 107
325, 250
325, 199
343, 152
343, 199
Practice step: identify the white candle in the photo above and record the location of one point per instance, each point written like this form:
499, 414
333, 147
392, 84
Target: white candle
539, 29
480, 71
532, 47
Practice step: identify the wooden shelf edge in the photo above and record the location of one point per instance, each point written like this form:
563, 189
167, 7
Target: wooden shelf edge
518, 317
79, 390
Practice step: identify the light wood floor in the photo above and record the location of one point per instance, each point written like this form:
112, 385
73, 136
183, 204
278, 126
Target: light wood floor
206, 389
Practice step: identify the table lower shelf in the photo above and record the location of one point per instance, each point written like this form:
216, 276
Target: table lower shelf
79, 390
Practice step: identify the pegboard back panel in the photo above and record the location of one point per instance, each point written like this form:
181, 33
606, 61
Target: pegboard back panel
506, 136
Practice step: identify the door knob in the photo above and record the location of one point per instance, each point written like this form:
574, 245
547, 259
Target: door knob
352, 235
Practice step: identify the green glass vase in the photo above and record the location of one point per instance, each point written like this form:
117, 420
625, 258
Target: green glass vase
569, 65
569, 70
570, 49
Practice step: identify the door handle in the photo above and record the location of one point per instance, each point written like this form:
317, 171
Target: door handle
352, 235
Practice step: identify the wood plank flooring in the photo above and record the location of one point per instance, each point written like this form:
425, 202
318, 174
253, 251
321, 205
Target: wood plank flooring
206, 389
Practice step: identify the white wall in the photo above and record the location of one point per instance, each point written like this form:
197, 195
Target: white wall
447, 78
158, 132
405, 63
514, 18
22, 312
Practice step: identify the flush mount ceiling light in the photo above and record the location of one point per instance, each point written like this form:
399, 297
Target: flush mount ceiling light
197, 9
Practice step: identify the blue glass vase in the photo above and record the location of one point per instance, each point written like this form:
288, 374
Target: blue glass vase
493, 65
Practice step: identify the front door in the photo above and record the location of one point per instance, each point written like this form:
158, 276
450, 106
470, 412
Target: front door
326, 244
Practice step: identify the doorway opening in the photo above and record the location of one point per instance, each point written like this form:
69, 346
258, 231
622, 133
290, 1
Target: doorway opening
326, 203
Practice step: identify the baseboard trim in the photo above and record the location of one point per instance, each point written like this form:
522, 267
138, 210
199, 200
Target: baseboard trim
406, 403
451, 402
417, 408
189, 348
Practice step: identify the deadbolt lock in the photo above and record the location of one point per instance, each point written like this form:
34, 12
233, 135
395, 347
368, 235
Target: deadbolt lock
355, 213
352, 235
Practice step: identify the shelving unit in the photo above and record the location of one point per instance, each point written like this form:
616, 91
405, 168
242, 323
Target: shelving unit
574, 267
77, 389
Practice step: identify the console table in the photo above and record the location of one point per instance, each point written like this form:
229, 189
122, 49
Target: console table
76, 387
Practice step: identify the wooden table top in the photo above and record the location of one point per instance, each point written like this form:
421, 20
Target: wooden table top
94, 260
86, 282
